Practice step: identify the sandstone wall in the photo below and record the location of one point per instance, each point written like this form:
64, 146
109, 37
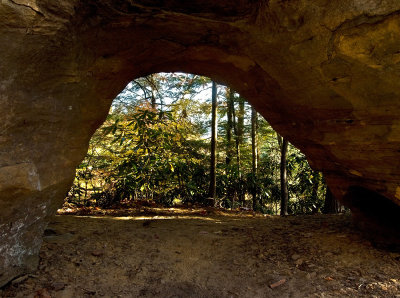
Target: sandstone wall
324, 73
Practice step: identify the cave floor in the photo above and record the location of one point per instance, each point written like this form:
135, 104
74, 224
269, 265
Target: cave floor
208, 255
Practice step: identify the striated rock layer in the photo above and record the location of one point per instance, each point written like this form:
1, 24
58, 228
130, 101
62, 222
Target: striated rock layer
324, 73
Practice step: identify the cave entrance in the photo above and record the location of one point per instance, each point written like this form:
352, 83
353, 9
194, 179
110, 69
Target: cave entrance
297, 64
155, 149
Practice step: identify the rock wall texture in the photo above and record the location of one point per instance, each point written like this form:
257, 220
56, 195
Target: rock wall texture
324, 73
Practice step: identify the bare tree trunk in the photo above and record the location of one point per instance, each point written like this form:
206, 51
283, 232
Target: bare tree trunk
229, 146
254, 140
241, 120
254, 151
150, 80
212, 190
258, 147
284, 190
237, 142
240, 132
153, 99
229, 125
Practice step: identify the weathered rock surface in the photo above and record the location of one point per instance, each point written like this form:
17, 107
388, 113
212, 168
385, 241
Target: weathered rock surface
324, 73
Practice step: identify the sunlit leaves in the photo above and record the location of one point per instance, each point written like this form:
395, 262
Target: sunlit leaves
155, 145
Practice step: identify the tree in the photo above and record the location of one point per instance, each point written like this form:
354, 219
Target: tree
238, 128
214, 131
230, 168
240, 122
237, 137
254, 154
283, 175
229, 124
155, 146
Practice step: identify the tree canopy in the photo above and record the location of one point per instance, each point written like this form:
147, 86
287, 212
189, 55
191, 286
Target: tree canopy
155, 145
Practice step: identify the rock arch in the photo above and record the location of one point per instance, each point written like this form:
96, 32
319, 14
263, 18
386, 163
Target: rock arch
325, 74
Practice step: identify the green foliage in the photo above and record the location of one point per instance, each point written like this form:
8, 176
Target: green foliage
156, 157
154, 145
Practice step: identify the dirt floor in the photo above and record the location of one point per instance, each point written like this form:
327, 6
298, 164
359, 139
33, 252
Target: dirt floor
203, 253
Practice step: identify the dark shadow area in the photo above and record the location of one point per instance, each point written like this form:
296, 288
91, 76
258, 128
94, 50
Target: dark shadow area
376, 216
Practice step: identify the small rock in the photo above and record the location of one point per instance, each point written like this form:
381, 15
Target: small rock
299, 262
89, 291
277, 284
97, 253
51, 246
58, 286
19, 279
295, 257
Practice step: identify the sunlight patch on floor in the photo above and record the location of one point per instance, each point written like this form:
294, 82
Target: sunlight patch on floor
138, 218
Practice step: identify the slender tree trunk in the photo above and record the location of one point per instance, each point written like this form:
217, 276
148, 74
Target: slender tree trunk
254, 156
150, 80
284, 190
331, 205
254, 141
279, 138
229, 125
153, 99
229, 145
212, 190
239, 124
237, 142
241, 121
241, 137
258, 147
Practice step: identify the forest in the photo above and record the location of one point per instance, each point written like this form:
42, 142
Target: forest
179, 139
